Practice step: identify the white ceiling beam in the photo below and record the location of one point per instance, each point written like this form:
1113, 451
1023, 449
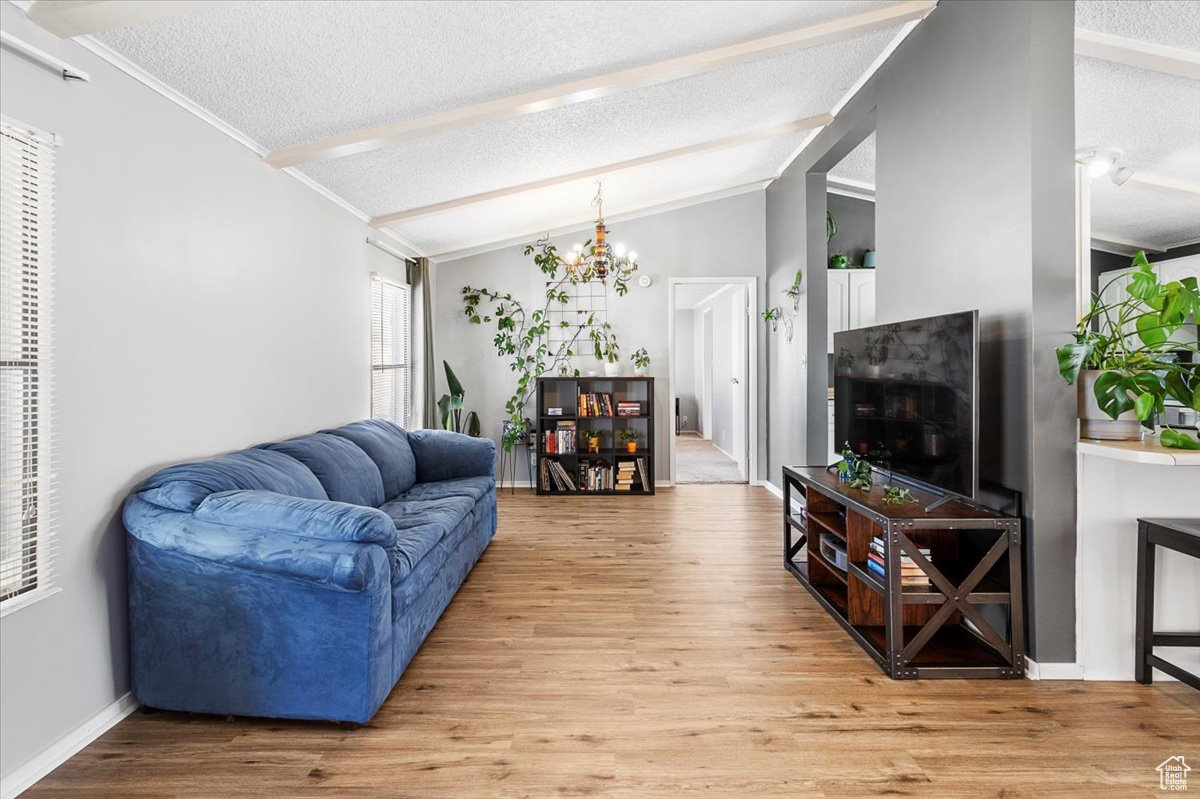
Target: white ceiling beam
600, 86
579, 224
714, 144
848, 187
70, 18
1166, 185
1138, 53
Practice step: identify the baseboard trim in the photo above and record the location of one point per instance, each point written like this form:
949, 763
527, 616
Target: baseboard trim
1052, 671
772, 488
22, 778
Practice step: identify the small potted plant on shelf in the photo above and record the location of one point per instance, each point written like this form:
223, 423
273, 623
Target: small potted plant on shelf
604, 345
641, 362
593, 443
1125, 357
630, 437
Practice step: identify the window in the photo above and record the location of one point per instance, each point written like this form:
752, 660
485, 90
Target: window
26, 202
391, 351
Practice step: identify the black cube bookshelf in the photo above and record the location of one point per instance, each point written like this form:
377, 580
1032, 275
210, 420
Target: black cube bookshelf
572, 409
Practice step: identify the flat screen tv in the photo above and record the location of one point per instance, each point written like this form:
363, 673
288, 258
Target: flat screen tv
906, 398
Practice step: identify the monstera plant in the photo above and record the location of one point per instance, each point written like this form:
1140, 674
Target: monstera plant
1128, 350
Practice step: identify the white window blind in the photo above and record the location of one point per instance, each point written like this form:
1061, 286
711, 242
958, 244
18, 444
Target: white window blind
391, 351
26, 209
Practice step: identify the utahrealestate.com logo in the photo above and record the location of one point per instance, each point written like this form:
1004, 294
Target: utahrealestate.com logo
1172, 774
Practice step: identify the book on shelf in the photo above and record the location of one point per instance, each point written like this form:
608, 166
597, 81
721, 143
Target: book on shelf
595, 476
910, 573
641, 470
556, 477
561, 439
595, 404
626, 474
629, 408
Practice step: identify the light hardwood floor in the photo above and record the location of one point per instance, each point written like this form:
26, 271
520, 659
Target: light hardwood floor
655, 647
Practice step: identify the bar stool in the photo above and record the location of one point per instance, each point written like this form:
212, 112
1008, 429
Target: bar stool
1179, 535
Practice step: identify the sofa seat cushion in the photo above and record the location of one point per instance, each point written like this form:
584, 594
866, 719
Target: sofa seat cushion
420, 525
387, 445
185, 486
474, 488
347, 473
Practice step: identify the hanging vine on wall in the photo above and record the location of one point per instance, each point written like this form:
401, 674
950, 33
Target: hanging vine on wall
523, 336
776, 314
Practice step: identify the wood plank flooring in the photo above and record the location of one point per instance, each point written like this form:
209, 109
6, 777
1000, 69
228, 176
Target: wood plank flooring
655, 647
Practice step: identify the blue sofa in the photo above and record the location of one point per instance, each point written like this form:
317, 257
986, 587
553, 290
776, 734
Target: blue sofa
297, 579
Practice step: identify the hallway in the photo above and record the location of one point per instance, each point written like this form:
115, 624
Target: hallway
698, 460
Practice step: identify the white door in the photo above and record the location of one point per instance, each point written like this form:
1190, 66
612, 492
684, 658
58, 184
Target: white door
839, 303
739, 380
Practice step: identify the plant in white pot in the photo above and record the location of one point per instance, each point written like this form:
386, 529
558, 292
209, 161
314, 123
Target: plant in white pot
604, 345
1125, 357
641, 362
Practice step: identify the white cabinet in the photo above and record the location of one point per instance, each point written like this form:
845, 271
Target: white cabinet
851, 300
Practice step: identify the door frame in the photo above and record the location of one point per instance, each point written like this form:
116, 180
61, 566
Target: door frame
750, 284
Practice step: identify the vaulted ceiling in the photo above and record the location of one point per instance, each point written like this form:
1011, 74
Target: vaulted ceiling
459, 126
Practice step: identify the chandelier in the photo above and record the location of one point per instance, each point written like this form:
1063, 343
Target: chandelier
600, 259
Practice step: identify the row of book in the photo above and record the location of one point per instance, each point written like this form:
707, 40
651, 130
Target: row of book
630, 408
910, 573
555, 476
595, 476
562, 439
595, 404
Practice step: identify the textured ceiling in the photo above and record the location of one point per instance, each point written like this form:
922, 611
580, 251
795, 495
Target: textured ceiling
859, 163
609, 130
288, 72
1143, 215
1171, 22
527, 215
285, 73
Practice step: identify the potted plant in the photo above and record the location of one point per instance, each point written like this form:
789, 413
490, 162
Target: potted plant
604, 345
630, 437
593, 442
1124, 361
641, 362
450, 407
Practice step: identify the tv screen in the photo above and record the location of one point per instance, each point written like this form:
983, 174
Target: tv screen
905, 397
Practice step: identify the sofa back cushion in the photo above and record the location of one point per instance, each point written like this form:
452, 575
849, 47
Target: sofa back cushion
386, 445
185, 486
321, 519
344, 470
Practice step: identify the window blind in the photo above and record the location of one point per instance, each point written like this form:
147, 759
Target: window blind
391, 351
26, 479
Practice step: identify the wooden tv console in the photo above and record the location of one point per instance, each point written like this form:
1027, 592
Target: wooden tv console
912, 632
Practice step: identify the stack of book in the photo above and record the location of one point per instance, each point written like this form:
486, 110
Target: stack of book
554, 475
595, 404
629, 408
910, 572
626, 475
560, 440
595, 476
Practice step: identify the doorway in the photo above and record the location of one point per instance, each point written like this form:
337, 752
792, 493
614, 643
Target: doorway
712, 375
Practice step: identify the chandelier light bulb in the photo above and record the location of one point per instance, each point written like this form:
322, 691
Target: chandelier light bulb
633, 256
578, 248
620, 250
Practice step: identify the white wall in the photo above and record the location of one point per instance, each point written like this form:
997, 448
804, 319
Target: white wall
204, 302
685, 368
723, 237
728, 310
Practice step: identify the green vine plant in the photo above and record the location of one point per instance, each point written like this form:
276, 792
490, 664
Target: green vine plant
1130, 343
522, 335
854, 470
895, 495
775, 314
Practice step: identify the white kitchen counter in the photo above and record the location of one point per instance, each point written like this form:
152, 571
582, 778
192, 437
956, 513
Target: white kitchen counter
1118, 483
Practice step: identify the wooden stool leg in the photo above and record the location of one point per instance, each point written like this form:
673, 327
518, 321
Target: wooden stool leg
1143, 672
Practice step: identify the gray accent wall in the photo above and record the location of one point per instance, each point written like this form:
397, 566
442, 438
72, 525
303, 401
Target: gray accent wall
686, 386
855, 219
204, 302
959, 228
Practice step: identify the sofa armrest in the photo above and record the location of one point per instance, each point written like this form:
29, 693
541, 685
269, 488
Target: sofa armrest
311, 518
340, 565
442, 455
